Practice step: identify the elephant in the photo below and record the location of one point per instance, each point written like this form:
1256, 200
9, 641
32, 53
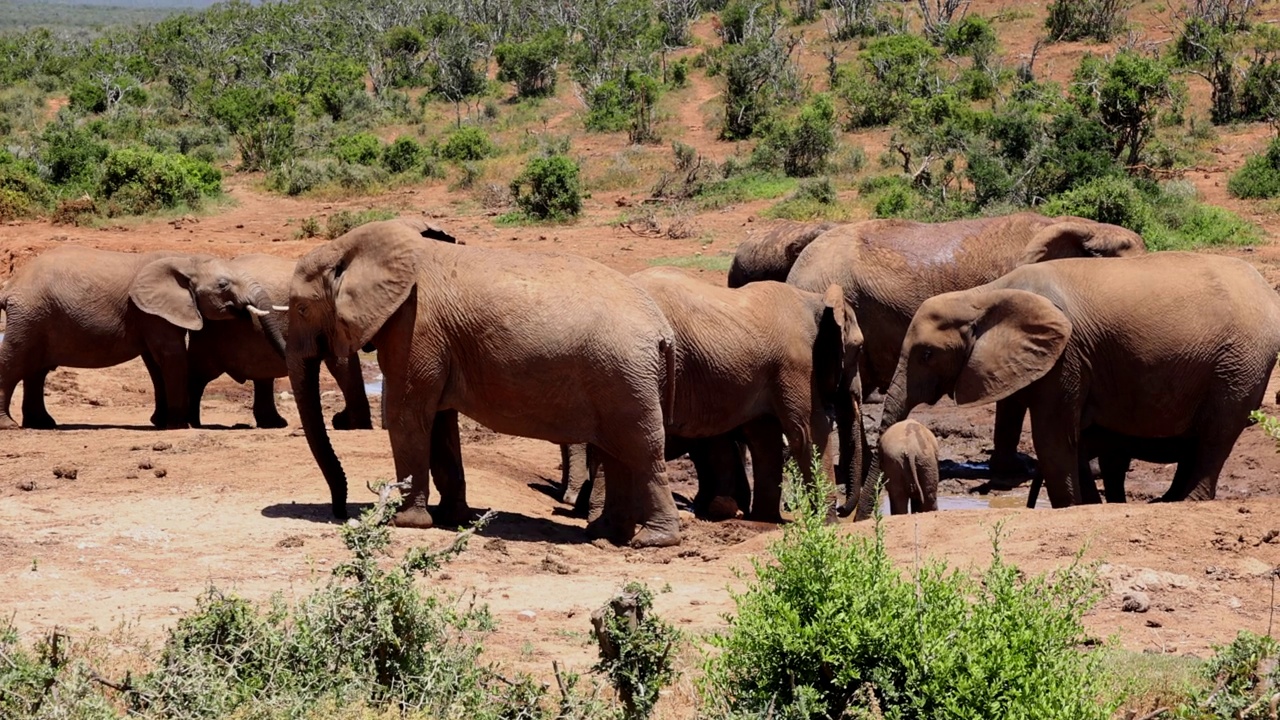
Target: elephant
237, 347
770, 255
1172, 347
79, 307
541, 345
909, 456
889, 267
1114, 452
767, 359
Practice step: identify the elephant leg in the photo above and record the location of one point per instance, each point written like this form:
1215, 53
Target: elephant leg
1004, 461
411, 433
575, 472
356, 414
169, 351
1197, 475
1057, 437
446, 470
721, 478
1114, 467
594, 503
896, 481
638, 507
927, 477
764, 440
265, 414
34, 413
196, 384
159, 416
10, 375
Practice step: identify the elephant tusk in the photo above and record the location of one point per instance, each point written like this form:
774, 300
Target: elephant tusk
280, 308
257, 311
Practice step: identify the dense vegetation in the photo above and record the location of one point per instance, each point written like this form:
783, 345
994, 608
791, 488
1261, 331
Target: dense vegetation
350, 98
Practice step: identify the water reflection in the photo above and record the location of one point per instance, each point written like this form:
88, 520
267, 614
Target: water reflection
373, 388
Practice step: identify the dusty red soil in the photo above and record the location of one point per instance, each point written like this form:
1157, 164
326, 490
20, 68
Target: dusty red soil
151, 518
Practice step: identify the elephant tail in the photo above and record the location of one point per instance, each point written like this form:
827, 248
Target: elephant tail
667, 347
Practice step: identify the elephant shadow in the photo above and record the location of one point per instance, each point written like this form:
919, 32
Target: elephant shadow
555, 490
314, 512
109, 426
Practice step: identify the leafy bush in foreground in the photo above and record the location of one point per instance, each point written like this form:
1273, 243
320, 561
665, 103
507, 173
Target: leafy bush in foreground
829, 627
554, 190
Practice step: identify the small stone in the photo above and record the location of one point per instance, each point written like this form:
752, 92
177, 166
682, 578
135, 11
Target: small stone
1153, 623
161, 446
161, 472
1271, 536
527, 616
27, 485
290, 541
67, 472
145, 464
1135, 602
559, 567
1243, 510
497, 545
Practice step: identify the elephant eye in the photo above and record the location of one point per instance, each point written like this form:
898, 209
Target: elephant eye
223, 283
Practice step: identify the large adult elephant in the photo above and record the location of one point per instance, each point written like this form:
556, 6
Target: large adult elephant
768, 359
79, 307
1168, 347
770, 254
541, 345
889, 267
237, 347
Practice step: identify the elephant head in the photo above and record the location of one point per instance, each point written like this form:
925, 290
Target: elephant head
977, 346
837, 353
187, 290
341, 295
771, 255
1070, 237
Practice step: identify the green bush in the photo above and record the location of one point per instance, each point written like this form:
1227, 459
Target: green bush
261, 122
891, 72
812, 200
72, 154
759, 76
88, 97
531, 64
467, 144
140, 181
1114, 200
804, 145
636, 650
1260, 175
344, 221
359, 149
554, 190
1125, 94
628, 103
22, 193
1098, 20
830, 627
1242, 677
974, 37
403, 155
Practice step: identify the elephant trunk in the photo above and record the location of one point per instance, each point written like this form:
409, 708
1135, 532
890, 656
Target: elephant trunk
896, 408
272, 322
304, 376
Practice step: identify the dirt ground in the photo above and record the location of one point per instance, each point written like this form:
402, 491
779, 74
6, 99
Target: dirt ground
107, 521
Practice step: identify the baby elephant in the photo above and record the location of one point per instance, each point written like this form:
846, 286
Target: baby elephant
909, 458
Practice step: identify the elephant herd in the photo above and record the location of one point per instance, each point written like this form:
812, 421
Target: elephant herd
1114, 353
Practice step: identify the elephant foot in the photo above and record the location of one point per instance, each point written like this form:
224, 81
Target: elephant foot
762, 516
653, 537
722, 508
455, 515
7, 423
342, 420
271, 423
181, 425
413, 517
39, 422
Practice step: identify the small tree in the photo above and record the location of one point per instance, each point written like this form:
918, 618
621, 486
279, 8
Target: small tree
938, 15
531, 64
554, 191
636, 649
1079, 19
261, 122
1125, 94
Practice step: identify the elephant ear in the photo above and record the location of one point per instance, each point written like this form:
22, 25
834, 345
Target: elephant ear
1018, 336
163, 287
839, 343
372, 279
1075, 237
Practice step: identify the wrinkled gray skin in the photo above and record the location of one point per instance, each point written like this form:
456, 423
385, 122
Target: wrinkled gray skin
889, 267
77, 307
767, 359
237, 346
770, 254
1171, 346
540, 345
909, 458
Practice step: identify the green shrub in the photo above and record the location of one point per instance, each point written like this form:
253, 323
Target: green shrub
606, 108
973, 36
344, 221
830, 627
1098, 20
140, 181
759, 75
403, 155
892, 71
300, 176
1114, 200
1125, 94
72, 154
261, 122
812, 200
628, 103
531, 64
636, 649
1260, 91
1260, 175
554, 190
359, 149
1242, 678
88, 97
468, 143
22, 193
804, 145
